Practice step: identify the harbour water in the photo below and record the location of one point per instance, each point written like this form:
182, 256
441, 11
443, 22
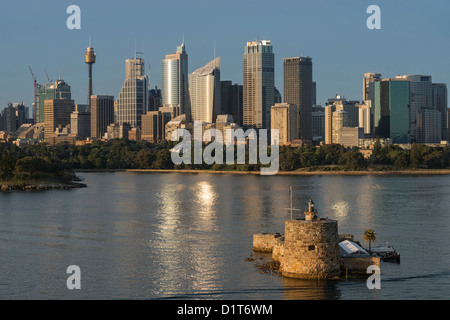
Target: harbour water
188, 236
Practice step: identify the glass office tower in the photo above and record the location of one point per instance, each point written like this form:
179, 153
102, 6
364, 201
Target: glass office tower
391, 110
259, 85
132, 100
50, 91
298, 90
175, 84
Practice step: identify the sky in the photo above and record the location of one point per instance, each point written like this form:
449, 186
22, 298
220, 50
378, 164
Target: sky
413, 39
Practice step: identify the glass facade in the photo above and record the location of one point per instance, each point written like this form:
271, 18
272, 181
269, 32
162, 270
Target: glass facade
259, 84
391, 110
58, 90
175, 83
299, 90
132, 100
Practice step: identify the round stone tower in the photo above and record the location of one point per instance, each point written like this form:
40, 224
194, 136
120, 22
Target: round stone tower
311, 249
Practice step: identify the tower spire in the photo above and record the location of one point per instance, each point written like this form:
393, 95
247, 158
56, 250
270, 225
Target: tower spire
89, 59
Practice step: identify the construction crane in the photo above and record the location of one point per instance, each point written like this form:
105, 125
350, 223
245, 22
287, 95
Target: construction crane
48, 78
35, 95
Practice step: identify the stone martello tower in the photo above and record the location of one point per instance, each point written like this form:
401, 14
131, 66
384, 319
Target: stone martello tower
311, 249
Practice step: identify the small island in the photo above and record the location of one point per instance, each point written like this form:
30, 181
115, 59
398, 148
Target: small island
36, 173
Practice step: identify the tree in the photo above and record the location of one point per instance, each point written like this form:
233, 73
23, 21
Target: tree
7, 163
370, 236
353, 160
163, 160
436, 160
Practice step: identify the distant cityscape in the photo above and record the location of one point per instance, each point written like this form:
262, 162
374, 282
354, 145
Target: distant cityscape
401, 110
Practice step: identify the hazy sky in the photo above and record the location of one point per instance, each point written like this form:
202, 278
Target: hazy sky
414, 39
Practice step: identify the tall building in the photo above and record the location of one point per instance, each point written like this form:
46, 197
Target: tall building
155, 101
204, 92
440, 104
339, 120
175, 83
231, 96
259, 85
298, 90
340, 104
80, 122
284, 119
153, 126
366, 117
102, 115
428, 126
8, 119
277, 98
318, 124
132, 101
57, 115
369, 85
448, 125
314, 93
21, 115
57, 90
391, 110
420, 96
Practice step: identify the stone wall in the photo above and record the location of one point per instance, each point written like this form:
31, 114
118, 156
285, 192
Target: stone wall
278, 250
264, 242
311, 249
358, 265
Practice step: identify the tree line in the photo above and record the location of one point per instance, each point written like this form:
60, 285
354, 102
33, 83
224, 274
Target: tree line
41, 160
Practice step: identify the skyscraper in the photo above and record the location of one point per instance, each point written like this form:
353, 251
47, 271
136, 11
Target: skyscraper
155, 101
9, 119
314, 93
369, 85
448, 125
318, 124
153, 126
80, 122
204, 92
57, 90
102, 114
440, 104
421, 96
284, 118
132, 101
258, 88
391, 110
232, 100
57, 114
175, 84
348, 117
428, 126
298, 90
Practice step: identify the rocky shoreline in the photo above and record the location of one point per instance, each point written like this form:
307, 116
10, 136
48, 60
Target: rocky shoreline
40, 187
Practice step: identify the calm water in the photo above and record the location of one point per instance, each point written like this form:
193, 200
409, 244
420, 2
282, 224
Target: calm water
187, 236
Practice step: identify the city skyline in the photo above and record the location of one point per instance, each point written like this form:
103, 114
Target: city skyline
390, 51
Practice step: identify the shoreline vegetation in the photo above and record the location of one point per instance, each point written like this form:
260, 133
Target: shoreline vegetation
280, 173
44, 166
